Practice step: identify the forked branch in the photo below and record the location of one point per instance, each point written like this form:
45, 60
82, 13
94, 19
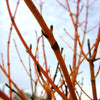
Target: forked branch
47, 33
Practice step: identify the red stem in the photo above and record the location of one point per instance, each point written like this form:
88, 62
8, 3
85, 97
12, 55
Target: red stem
34, 59
52, 42
8, 49
4, 96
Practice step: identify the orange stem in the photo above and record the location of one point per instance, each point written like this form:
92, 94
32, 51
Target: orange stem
71, 15
92, 66
47, 88
44, 55
43, 45
75, 46
53, 44
81, 47
8, 60
77, 67
96, 43
93, 80
37, 57
33, 58
85, 28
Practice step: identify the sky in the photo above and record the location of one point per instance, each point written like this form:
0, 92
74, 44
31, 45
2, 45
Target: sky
54, 15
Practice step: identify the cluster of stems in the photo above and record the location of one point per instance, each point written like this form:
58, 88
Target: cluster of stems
68, 80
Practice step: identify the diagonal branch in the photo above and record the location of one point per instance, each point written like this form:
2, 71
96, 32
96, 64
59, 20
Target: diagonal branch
47, 33
96, 44
33, 57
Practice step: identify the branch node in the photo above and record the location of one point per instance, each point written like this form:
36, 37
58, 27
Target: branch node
55, 46
51, 28
44, 34
12, 19
38, 69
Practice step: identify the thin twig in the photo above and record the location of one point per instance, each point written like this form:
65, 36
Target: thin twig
97, 72
21, 59
83, 91
71, 15
30, 70
89, 48
14, 91
57, 68
2, 61
8, 46
92, 28
68, 34
96, 44
61, 5
92, 3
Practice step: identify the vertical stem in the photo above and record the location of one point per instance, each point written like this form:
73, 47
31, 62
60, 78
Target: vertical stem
8, 47
71, 15
92, 65
75, 46
30, 71
93, 80
85, 28
8, 61
43, 45
74, 61
44, 55
89, 48
92, 74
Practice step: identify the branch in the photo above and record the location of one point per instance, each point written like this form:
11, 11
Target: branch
92, 28
81, 47
61, 5
68, 34
3, 96
53, 43
83, 91
30, 70
71, 15
14, 91
3, 65
21, 59
33, 57
97, 72
8, 46
13, 83
96, 44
